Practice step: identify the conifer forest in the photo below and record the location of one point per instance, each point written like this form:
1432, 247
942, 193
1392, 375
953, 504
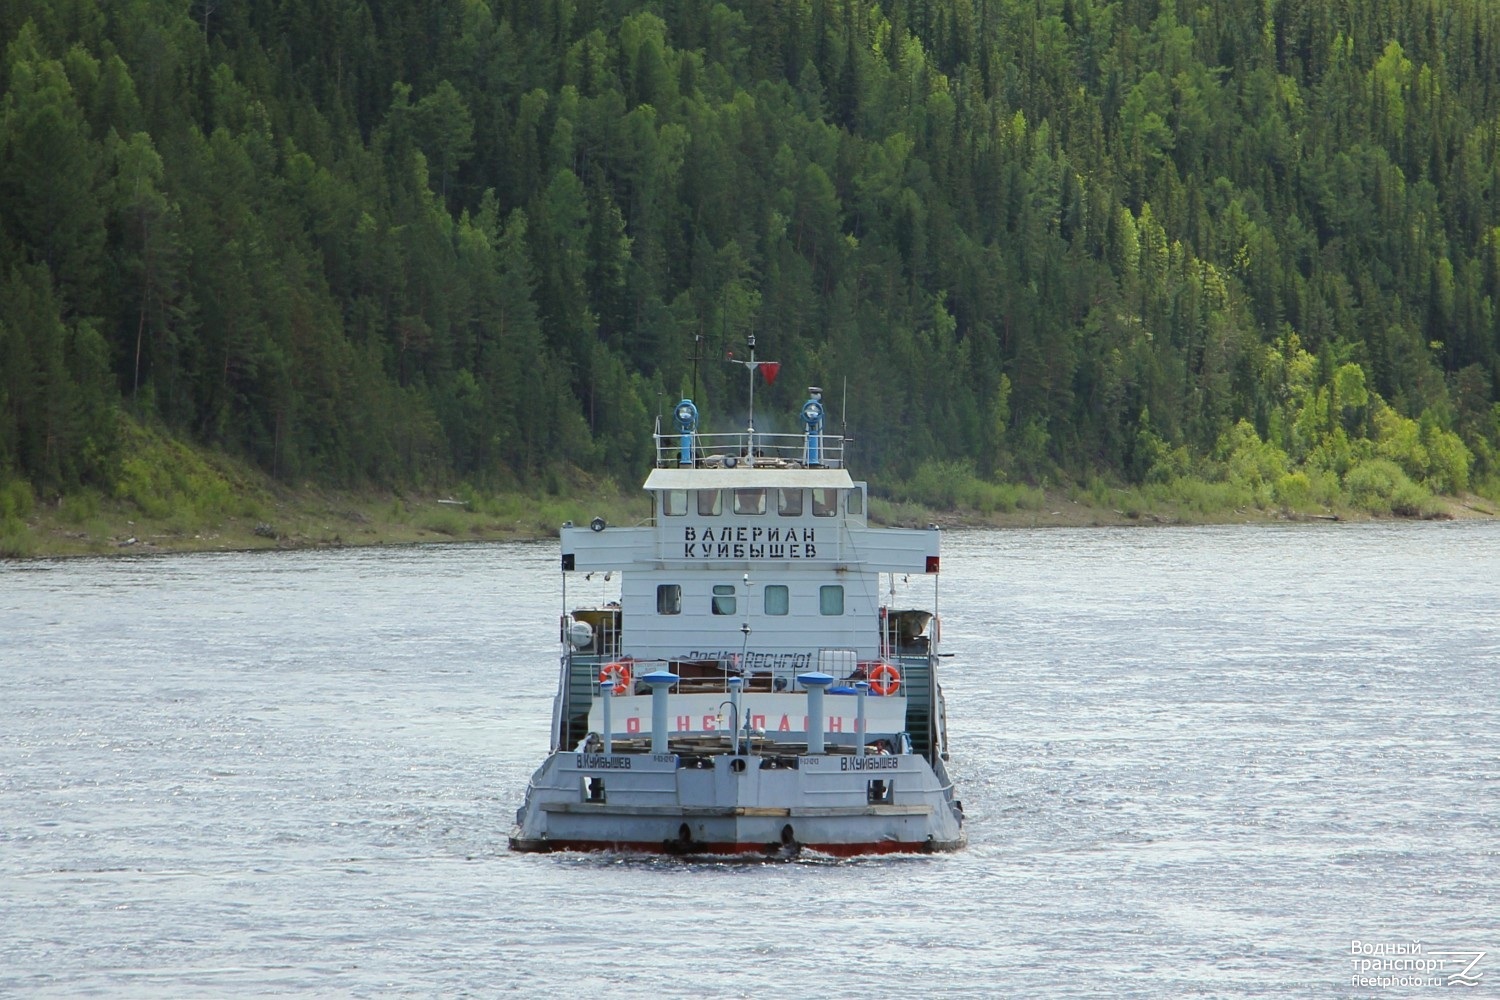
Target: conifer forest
1245, 242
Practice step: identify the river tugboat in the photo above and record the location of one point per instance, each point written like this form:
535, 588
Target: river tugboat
749, 692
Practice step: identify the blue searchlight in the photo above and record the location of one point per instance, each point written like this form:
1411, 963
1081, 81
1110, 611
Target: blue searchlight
812, 419
686, 415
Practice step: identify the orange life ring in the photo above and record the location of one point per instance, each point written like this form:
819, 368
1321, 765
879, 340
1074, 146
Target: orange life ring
619, 672
885, 679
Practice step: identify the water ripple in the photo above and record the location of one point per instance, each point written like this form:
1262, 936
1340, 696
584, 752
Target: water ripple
1193, 761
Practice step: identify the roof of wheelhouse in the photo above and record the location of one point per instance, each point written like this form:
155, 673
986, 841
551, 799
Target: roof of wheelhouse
711, 479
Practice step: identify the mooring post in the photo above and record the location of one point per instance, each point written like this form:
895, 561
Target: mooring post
815, 684
607, 695
861, 689
661, 682
735, 684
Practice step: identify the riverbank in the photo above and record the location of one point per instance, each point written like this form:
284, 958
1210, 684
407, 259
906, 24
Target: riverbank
1065, 509
306, 518
277, 517
171, 496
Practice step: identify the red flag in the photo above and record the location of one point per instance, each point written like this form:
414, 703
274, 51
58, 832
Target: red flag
769, 370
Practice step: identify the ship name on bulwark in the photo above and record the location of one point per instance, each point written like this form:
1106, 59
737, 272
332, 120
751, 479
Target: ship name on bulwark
867, 763
744, 542
597, 760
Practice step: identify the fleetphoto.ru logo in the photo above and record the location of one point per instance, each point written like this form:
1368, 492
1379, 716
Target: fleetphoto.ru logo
1413, 964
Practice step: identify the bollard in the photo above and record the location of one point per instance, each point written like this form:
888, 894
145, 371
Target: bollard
735, 684
607, 693
861, 688
661, 681
816, 684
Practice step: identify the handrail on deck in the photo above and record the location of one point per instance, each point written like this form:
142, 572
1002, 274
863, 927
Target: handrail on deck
718, 683
742, 448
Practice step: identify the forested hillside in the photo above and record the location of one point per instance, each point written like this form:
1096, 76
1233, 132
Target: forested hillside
476, 240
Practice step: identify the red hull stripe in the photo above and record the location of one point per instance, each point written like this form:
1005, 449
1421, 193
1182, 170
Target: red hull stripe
658, 847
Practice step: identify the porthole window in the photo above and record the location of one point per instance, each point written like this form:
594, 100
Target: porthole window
724, 602
831, 600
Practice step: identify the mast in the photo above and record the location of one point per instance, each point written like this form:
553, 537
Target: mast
771, 367
750, 430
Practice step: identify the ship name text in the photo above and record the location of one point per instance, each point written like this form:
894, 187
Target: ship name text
743, 542
867, 763
618, 762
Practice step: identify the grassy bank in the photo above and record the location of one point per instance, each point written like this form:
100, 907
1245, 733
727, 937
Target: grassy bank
173, 498
304, 518
278, 517
951, 494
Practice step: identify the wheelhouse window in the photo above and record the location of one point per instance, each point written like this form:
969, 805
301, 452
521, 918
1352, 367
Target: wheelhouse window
825, 501
674, 502
724, 602
710, 503
831, 600
750, 501
669, 599
789, 503
856, 502
777, 599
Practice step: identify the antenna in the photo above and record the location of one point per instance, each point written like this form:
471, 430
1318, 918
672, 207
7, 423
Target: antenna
697, 356
844, 427
844, 410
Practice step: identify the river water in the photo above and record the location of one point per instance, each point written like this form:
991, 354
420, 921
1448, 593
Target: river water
1194, 761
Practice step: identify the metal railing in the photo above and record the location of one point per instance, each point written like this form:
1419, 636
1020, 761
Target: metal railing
713, 676
746, 450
